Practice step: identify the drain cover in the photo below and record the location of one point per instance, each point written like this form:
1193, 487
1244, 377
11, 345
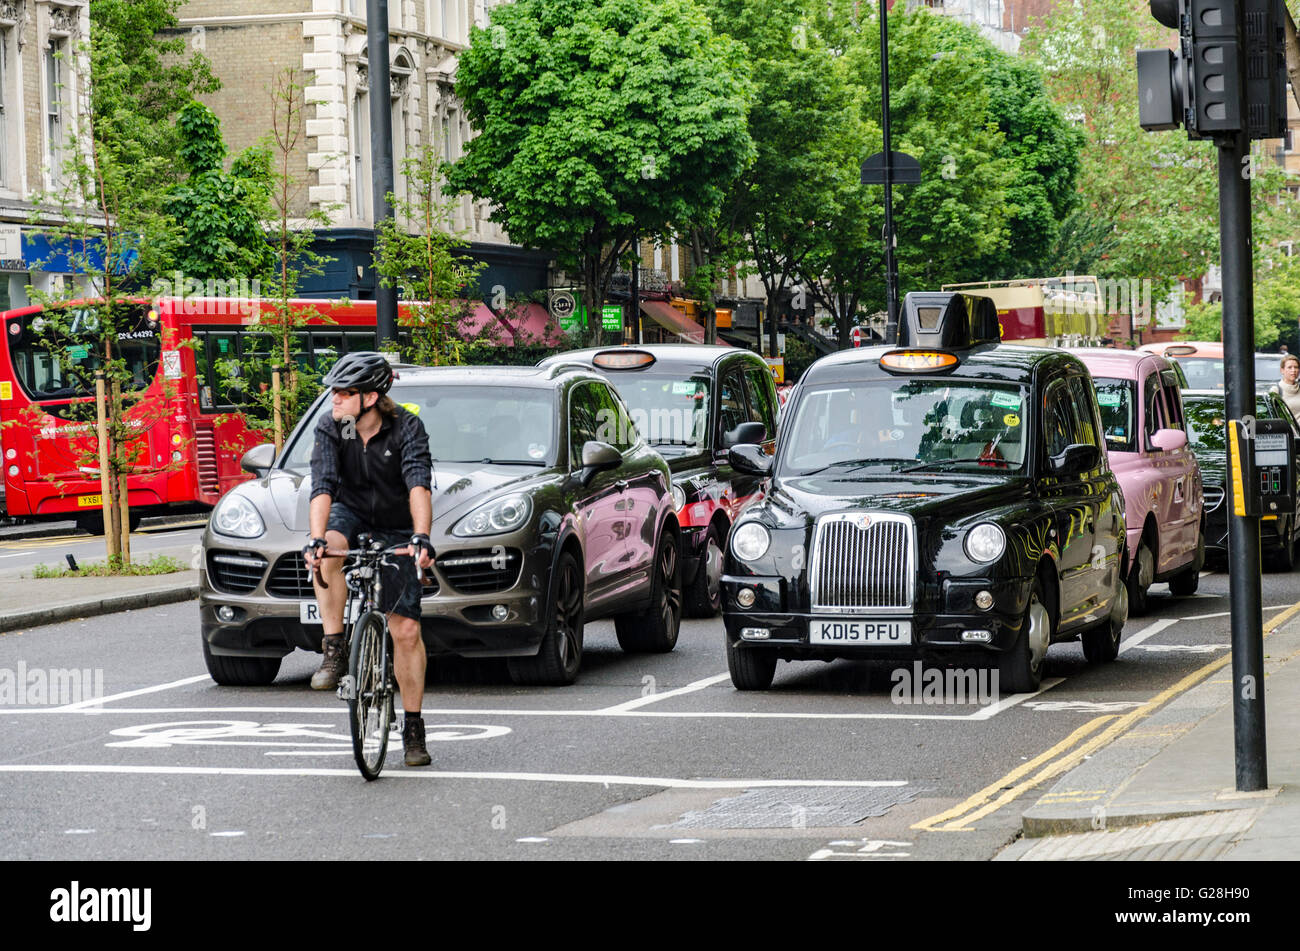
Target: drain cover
795, 807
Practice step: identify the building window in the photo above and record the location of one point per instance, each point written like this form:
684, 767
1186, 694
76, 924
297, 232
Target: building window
55, 94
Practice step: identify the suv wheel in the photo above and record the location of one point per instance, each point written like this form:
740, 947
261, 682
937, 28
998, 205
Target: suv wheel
654, 630
240, 671
558, 659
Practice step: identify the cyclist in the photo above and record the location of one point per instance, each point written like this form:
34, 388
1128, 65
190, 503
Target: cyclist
371, 470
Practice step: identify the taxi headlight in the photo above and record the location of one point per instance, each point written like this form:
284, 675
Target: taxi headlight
501, 515
238, 517
679, 498
750, 541
985, 542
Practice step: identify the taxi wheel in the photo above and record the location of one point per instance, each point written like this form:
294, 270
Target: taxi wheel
1184, 584
1101, 644
240, 671
751, 669
704, 595
654, 630
1140, 578
558, 659
1020, 667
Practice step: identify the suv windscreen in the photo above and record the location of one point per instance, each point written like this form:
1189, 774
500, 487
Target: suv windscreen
465, 424
1118, 401
917, 424
1203, 373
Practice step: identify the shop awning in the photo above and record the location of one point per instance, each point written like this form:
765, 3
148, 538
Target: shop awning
531, 325
669, 317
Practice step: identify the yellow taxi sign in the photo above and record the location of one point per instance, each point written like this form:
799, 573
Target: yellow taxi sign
918, 361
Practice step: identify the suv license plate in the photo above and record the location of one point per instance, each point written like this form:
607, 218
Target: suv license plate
309, 611
860, 632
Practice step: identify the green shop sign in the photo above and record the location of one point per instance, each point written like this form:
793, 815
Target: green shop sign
611, 318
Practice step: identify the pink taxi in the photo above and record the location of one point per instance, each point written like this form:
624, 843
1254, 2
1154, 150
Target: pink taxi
1146, 441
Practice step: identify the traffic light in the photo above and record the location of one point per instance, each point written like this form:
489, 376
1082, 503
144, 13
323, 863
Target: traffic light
1226, 76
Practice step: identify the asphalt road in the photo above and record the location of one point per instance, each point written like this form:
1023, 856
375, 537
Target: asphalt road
646, 757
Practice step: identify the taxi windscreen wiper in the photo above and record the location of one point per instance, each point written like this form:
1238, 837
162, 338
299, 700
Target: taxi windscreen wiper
852, 464
944, 465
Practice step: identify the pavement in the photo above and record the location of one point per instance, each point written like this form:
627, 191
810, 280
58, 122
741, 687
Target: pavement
1155, 782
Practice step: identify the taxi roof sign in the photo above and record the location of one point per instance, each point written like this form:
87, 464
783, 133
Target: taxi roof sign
948, 319
623, 359
918, 361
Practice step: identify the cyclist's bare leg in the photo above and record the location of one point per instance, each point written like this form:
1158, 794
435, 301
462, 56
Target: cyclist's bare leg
409, 660
332, 599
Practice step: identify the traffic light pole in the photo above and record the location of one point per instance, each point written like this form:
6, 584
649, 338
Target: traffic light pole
381, 153
1245, 599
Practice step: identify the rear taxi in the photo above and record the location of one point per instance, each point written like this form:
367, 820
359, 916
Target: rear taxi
947, 499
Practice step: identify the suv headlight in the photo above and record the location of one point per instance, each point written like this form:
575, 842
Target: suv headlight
750, 541
985, 542
238, 517
492, 518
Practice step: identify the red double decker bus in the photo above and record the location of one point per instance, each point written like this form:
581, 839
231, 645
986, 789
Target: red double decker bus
190, 431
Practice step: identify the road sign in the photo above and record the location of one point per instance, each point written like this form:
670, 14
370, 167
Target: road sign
777, 366
857, 336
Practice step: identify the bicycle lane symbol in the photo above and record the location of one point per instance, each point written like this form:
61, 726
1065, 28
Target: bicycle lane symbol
292, 739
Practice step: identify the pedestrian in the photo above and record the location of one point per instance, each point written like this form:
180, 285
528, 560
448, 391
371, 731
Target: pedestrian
1289, 386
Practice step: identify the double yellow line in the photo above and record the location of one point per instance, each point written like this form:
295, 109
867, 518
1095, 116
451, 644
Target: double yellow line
1075, 747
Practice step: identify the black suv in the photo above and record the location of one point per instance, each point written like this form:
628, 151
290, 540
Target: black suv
946, 499
549, 510
693, 403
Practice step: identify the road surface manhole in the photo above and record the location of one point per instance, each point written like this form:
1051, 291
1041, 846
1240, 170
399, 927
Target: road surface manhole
795, 808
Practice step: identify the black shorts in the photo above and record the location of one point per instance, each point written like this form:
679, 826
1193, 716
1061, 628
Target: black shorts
401, 593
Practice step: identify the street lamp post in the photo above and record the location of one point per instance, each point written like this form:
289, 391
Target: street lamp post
381, 152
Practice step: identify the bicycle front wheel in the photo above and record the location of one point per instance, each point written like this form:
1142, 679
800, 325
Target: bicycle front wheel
370, 709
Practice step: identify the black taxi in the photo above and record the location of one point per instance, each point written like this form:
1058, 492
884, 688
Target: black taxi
693, 402
947, 499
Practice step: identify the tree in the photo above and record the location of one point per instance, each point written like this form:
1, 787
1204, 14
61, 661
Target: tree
599, 121
1277, 306
427, 265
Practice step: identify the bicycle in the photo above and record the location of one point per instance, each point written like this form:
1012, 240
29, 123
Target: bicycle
369, 686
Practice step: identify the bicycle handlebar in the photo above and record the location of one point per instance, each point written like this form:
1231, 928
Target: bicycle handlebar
351, 552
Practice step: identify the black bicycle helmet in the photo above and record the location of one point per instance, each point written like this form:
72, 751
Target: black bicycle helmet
363, 371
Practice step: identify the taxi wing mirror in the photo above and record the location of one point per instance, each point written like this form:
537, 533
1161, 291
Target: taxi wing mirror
1076, 458
259, 459
597, 457
751, 432
750, 458
1167, 440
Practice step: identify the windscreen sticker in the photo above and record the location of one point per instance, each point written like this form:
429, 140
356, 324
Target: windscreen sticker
1006, 400
684, 389
1110, 399
1011, 419
536, 451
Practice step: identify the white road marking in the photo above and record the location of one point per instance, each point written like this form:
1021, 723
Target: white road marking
1206, 617
1151, 630
663, 782
16, 554
656, 697
867, 849
664, 714
1084, 706
97, 701
1185, 648
994, 709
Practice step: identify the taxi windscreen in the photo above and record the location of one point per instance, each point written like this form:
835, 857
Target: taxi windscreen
909, 426
668, 410
1117, 399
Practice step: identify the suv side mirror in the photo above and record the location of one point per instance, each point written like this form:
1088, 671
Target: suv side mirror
1167, 440
751, 432
1076, 458
259, 459
750, 458
597, 457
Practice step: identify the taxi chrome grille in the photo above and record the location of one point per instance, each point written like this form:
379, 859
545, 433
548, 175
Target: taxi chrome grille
863, 562
1213, 496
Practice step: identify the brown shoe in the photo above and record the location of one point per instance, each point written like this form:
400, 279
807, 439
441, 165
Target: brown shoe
334, 665
413, 742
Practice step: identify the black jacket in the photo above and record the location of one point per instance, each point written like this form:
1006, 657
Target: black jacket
373, 479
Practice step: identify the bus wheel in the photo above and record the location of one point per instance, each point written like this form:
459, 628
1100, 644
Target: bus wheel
94, 524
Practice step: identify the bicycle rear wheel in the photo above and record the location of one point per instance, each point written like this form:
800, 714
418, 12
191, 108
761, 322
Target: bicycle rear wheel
370, 709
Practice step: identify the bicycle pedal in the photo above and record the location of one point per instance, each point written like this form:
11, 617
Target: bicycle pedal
347, 688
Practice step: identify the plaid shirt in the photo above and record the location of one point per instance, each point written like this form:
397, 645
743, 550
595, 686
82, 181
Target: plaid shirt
373, 479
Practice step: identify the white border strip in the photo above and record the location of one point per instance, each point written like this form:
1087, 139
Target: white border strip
97, 701
656, 697
578, 778
1152, 629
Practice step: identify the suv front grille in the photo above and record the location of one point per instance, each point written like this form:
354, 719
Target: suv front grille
862, 563
234, 571
1213, 496
481, 570
290, 579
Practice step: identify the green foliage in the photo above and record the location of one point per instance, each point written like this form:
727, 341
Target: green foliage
222, 213
427, 267
115, 565
1277, 307
520, 355
599, 120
